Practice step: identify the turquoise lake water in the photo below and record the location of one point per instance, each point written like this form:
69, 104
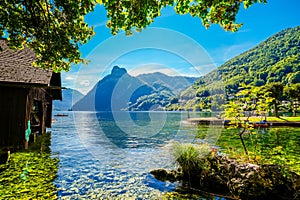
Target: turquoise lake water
105, 158
110, 155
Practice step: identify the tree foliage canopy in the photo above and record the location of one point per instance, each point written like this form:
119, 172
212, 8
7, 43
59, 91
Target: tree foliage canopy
138, 14
249, 101
55, 29
292, 91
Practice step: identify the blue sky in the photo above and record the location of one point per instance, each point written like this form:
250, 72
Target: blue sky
177, 44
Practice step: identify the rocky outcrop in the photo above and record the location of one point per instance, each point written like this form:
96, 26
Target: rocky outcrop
228, 177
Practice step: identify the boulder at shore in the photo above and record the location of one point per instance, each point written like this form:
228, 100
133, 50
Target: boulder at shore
225, 176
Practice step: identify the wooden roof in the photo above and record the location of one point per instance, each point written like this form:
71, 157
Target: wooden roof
16, 67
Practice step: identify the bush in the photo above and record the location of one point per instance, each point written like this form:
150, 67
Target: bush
191, 157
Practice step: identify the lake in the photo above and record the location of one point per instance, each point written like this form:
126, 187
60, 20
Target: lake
110, 154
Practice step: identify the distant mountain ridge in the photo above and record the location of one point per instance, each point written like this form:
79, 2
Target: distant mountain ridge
175, 83
121, 91
277, 59
69, 97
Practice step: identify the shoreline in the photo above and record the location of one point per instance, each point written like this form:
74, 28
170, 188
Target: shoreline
217, 121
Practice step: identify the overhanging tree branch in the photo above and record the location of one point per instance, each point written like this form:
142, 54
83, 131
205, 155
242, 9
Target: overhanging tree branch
55, 29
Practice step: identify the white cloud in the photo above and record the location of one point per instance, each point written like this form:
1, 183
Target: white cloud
69, 78
151, 68
242, 31
84, 82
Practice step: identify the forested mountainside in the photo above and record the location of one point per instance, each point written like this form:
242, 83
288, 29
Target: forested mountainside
274, 60
176, 84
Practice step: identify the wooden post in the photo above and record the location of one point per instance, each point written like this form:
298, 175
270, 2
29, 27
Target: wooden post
43, 127
26, 144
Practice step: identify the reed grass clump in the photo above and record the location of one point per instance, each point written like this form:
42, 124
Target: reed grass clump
191, 157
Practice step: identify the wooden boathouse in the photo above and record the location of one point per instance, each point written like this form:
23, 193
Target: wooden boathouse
26, 95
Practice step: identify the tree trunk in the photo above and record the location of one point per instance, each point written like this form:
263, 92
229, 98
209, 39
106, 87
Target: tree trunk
276, 109
245, 149
295, 107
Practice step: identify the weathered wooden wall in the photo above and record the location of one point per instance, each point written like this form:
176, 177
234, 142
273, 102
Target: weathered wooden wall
44, 100
15, 110
12, 116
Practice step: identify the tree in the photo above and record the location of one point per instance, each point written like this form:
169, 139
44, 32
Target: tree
294, 78
55, 29
249, 101
138, 14
258, 82
276, 90
292, 91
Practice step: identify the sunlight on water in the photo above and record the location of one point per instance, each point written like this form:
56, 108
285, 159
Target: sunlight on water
98, 160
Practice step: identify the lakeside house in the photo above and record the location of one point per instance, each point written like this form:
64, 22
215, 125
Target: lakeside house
26, 95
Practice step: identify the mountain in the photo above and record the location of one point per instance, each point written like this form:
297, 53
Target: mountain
274, 60
120, 91
69, 97
114, 92
176, 84
166, 87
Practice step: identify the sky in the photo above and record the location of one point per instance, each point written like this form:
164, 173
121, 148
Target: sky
176, 44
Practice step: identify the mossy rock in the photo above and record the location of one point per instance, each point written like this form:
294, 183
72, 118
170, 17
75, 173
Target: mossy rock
164, 175
228, 177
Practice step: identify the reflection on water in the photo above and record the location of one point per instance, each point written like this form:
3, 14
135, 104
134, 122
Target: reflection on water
101, 158
109, 155
271, 144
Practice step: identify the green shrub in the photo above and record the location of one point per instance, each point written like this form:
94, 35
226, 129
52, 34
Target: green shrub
191, 157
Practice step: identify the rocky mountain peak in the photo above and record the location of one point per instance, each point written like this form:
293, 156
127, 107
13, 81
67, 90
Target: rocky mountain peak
117, 71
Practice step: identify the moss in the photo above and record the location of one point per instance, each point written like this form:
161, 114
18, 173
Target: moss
30, 174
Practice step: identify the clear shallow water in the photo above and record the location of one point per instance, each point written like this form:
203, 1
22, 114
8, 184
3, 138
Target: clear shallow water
102, 158
105, 158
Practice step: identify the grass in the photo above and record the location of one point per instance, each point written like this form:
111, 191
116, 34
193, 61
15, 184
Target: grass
190, 156
273, 119
30, 174
276, 119
258, 119
282, 119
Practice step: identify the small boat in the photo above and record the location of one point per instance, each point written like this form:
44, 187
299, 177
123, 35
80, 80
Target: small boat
262, 123
61, 115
